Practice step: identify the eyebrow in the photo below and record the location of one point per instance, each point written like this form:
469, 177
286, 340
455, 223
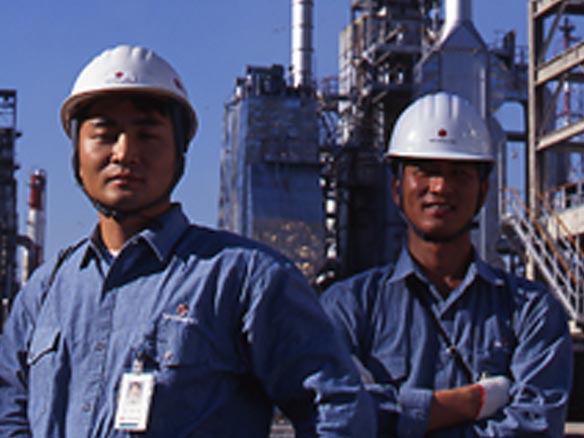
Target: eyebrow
144, 120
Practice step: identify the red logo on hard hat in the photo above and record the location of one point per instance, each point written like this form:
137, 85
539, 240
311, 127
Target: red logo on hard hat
119, 74
442, 133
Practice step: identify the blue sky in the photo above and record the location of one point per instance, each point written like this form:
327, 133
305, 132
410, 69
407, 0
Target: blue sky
44, 44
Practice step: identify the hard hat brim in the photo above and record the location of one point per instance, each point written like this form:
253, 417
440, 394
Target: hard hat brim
443, 155
72, 104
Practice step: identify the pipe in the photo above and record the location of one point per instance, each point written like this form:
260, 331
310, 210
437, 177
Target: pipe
36, 223
455, 12
302, 27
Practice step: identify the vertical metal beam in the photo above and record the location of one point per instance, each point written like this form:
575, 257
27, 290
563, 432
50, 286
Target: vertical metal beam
534, 32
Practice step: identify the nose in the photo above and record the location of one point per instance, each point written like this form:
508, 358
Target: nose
437, 183
124, 150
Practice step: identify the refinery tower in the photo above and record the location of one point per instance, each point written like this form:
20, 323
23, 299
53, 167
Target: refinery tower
270, 158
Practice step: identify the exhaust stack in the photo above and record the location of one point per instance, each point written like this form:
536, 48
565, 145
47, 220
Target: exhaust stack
302, 26
36, 223
456, 12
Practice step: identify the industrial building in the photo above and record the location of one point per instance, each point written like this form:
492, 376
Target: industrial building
270, 166
270, 157
33, 242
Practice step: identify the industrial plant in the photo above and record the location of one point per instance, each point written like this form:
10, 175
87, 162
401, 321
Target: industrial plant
32, 242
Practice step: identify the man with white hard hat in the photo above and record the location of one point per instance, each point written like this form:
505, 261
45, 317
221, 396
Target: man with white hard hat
153, 326
448, 345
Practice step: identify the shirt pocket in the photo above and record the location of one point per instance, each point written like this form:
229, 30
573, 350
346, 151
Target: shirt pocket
46, 373
182, 345
494, 359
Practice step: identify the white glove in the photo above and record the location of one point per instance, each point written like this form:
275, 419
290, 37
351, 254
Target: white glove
366, 376
495, 395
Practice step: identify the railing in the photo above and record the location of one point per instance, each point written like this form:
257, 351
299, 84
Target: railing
561, 235
556, 253
566, 196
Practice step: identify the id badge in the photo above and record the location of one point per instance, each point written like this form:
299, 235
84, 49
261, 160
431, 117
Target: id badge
134, 400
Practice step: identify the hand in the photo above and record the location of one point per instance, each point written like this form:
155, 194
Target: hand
495, 395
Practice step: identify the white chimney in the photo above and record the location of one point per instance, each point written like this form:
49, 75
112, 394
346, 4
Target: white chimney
33, 255
456, 12
302, 17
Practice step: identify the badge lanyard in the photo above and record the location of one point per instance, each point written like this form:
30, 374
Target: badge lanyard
451, 347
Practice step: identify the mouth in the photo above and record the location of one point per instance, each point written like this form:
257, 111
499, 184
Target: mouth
124, 178
438, 208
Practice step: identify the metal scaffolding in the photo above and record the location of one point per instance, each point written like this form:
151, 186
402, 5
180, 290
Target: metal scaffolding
8, 220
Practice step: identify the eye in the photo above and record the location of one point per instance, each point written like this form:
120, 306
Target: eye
425, 170
465, 172
104, 136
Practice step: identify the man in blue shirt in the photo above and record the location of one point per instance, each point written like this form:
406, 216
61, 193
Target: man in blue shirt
448, 345
153, 326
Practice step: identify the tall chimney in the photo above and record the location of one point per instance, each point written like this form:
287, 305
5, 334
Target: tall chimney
302, 17
36, 223
456, 12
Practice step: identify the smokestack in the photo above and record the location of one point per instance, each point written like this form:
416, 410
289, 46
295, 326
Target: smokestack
36, 223
302, 43
456, 12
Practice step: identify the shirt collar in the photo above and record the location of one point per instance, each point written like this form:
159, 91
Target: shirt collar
161, 235
406, 266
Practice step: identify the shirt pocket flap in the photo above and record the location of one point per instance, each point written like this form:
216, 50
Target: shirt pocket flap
44, 340
495, 359
182, 345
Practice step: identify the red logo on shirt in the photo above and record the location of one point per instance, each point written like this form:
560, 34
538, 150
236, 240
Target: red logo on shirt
182, 310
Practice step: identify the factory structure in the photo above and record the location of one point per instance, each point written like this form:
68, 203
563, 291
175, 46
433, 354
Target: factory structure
32, 243
270, 162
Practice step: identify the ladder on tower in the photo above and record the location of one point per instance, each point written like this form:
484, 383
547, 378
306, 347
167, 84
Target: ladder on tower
549, 242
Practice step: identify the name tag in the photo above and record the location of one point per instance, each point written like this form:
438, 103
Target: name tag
134, 400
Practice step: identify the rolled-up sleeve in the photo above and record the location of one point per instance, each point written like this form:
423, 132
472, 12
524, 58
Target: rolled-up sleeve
13, 372
299, 358
541, 368
401, 411
14, 340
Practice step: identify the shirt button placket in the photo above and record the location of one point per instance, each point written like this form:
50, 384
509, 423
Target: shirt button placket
98, 377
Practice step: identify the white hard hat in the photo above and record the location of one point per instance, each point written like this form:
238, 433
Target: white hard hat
127, 69
441, 126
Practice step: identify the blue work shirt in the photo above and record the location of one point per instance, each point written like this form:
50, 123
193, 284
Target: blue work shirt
227, 327
501, 325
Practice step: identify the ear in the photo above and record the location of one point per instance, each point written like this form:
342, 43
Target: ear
395, 189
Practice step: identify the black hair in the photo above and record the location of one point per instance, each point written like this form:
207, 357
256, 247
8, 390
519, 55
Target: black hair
397, 164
